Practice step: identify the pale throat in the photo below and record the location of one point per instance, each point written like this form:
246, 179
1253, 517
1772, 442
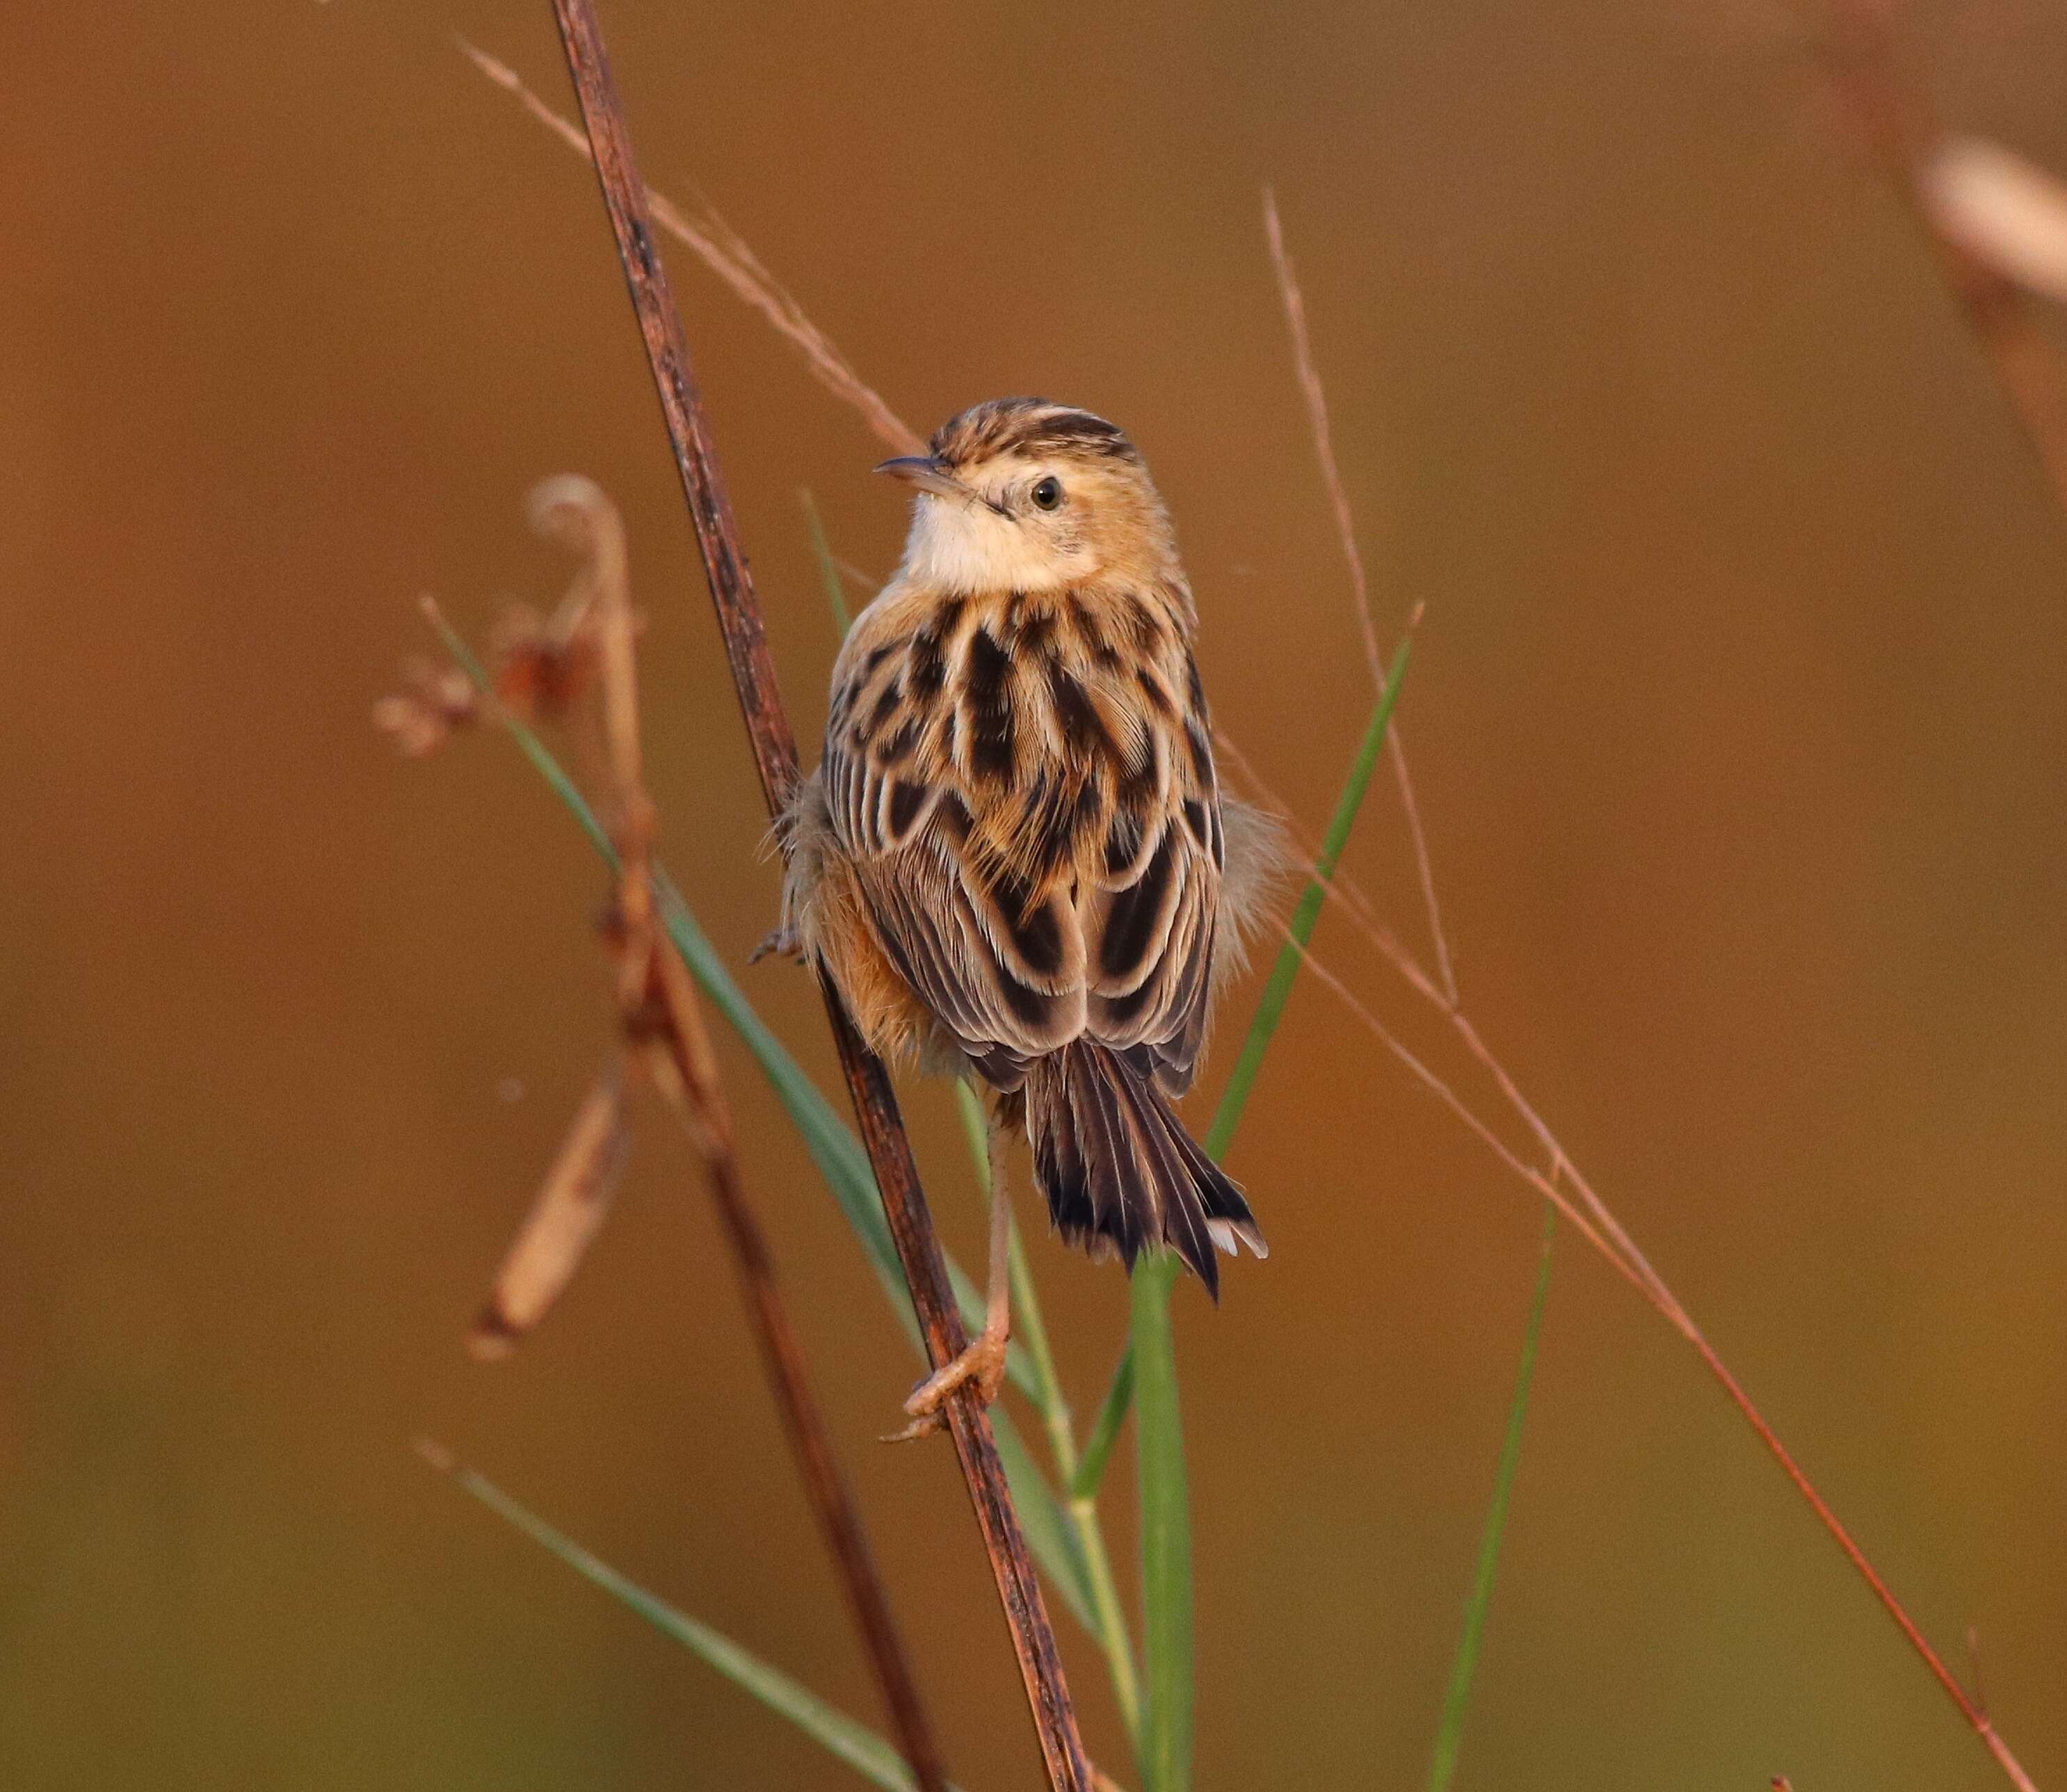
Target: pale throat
966, 547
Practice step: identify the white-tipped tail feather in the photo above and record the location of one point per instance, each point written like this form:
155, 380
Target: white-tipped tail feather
1118, 1170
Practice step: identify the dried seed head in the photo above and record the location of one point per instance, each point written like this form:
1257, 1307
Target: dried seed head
432, 702
540, 670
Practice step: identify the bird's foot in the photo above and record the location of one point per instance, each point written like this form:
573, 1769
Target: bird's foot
784, 941
981, 1366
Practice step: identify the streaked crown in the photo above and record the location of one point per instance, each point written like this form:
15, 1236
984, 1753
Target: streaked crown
1034, 428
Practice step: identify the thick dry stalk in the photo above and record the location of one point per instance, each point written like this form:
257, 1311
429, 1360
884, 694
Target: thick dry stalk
699, 1105
775, 758
666, 1037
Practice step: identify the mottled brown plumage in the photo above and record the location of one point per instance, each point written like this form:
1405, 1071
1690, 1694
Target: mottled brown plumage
1015, 858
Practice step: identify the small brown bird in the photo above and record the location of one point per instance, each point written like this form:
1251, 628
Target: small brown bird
1014, 860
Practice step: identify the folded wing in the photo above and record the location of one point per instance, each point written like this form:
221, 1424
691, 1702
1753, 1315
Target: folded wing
1033, 819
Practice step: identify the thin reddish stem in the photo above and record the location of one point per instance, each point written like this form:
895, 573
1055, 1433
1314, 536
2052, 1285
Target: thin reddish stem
1600, 1229
1316, 396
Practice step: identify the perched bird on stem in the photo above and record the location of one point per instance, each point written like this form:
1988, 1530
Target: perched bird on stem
1014, 860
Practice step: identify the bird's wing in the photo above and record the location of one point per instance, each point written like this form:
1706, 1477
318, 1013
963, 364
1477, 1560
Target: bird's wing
1031, 811
1151, 922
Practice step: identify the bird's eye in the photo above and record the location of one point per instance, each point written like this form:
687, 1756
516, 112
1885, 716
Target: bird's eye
1049, 492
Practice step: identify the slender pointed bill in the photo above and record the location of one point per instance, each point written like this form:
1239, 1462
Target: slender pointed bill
922, 473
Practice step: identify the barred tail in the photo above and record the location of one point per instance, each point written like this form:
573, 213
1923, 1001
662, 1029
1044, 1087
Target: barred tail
1120, 1171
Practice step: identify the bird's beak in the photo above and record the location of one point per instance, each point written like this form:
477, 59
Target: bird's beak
928, 475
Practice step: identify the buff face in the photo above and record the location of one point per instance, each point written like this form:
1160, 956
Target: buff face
1033, 516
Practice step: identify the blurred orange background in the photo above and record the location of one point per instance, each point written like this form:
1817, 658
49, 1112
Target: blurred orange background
1739, 730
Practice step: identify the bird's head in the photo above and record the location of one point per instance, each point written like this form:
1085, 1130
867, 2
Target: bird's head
1019, 494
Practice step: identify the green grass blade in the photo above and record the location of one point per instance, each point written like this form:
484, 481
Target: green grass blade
1166, 1532
1043, 1520
1269, 1011
829, 572
845, 1164
1105, 1434
1028, 1326
1110, 1628
1166, 1527
1270, 1007
866, 1753
1106, 1619
1450, 1732
840, 1155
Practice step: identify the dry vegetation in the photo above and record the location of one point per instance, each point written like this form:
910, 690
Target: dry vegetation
1996, 229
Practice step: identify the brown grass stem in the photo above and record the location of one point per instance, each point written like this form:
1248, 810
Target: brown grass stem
725, 253
1339, 887
1294, 304
1030, 1327
1596, 1223
1899, 129
1315, 394
667, 1038
775, 756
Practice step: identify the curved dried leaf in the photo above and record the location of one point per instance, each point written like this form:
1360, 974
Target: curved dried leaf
563, 1224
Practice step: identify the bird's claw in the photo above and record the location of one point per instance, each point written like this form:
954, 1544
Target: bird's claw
980, 1366
783, 941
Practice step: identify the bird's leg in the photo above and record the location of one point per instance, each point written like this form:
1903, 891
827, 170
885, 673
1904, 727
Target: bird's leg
982, 1362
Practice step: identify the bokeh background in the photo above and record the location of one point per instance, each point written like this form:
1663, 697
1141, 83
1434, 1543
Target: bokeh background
1739, 729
